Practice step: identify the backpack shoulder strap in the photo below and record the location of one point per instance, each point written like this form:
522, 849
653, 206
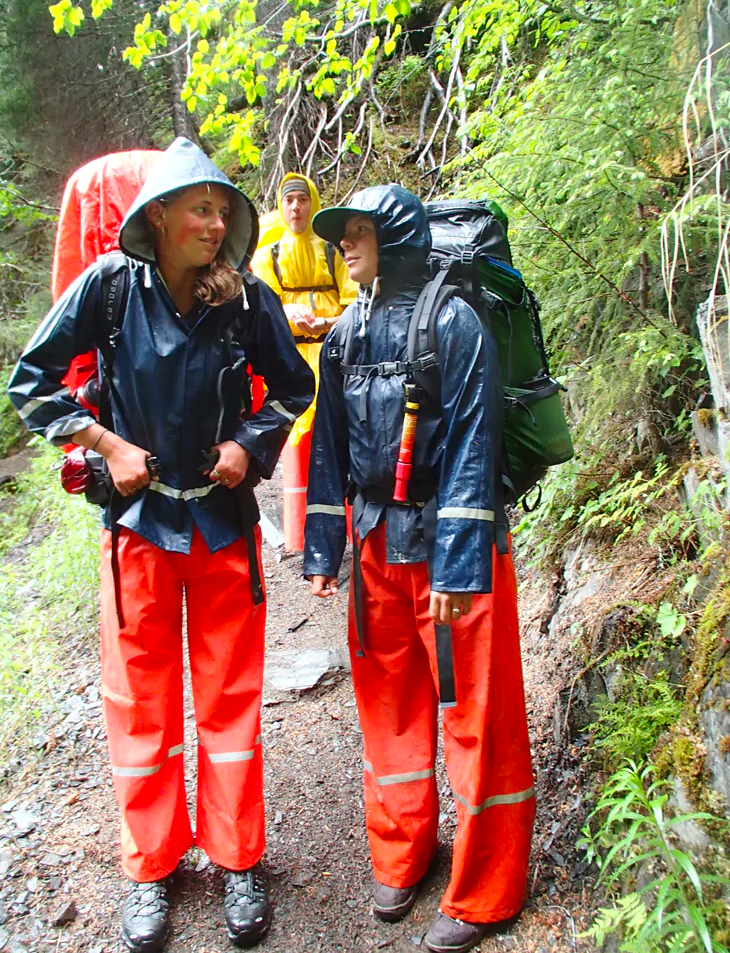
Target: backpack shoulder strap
275, 250
115, 289
331, 254
114, 268
422, 327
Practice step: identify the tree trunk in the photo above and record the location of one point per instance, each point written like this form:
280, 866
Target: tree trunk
183, 121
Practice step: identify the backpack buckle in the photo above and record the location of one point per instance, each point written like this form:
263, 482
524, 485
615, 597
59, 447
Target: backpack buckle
467, 255
424, 363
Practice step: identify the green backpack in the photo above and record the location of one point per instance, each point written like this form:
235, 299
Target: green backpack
471, 258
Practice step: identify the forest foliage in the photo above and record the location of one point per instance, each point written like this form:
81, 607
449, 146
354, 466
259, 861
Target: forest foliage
601, 126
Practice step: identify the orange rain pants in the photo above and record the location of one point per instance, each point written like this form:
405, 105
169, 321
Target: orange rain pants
295, 470
142, 686
485, 737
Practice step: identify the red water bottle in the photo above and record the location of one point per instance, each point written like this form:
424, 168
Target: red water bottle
407, 440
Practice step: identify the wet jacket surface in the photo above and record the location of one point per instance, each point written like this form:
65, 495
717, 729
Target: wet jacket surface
176, 384
457, 444
303, 264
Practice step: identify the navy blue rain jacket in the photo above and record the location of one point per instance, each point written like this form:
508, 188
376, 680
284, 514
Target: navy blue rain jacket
176, 386
458, 444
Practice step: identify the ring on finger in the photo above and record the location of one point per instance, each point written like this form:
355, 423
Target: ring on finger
215, 474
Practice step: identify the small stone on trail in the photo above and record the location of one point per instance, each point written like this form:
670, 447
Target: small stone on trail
301, 880
65, 914
298, 625
6, 861
278, 817
50, 860
416, 940
202, 864
88, 829
24, 821
31, 884
71, 798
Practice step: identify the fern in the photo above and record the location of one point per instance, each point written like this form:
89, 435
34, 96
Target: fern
677, 907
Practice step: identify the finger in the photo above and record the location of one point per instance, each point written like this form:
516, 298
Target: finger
466, 605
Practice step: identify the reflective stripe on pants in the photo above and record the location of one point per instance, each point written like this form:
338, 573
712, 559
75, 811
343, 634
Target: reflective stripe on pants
142, 685
485, 737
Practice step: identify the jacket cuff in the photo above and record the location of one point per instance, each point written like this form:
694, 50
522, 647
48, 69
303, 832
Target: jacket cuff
62, 430
463, 555
265, 448
325, 534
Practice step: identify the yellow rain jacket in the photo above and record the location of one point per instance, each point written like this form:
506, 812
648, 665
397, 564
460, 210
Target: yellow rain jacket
305, 279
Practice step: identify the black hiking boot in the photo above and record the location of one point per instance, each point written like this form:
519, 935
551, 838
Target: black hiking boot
146, 917
393, 903
247, 906
449, 935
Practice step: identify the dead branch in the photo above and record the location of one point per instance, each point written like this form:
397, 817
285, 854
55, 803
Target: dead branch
310, 153
444, 109
341, 148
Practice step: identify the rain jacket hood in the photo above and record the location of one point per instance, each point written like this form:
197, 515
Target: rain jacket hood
401, 226
181, 165
313, 194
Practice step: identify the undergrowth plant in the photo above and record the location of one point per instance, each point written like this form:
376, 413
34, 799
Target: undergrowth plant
48, 589
671, 906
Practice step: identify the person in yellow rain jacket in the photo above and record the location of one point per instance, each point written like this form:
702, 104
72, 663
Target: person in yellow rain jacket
315, 287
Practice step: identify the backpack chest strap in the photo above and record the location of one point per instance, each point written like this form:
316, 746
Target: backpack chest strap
389, 368
384, 369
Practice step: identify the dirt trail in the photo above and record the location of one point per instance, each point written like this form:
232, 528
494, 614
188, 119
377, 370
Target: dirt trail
59, 824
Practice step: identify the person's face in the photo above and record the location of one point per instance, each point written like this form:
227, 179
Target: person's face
191, 226
296, 208
360, 247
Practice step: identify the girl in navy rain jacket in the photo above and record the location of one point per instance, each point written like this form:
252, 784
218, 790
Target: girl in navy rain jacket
454, 519
191, 326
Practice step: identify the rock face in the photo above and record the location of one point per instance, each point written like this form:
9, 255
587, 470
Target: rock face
715, 718
296, 670
713, 428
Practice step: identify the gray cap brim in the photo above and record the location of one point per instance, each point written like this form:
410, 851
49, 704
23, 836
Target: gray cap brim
330, 223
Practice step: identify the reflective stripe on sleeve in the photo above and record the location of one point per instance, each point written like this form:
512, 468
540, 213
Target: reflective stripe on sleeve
465, 513
148, 771
387, 779
280, 409
496, 799
193, 494
27, 409
327, 510
223, 757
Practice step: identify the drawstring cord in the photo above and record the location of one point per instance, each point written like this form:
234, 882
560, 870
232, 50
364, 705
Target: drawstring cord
368, 310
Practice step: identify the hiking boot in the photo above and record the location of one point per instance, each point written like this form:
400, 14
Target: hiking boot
247, 906
146, 917
393, 903
449, 935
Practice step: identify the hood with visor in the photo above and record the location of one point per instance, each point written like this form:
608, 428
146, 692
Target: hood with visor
182, 165
401, 226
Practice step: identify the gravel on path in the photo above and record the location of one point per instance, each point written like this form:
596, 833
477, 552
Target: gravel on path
61, 886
